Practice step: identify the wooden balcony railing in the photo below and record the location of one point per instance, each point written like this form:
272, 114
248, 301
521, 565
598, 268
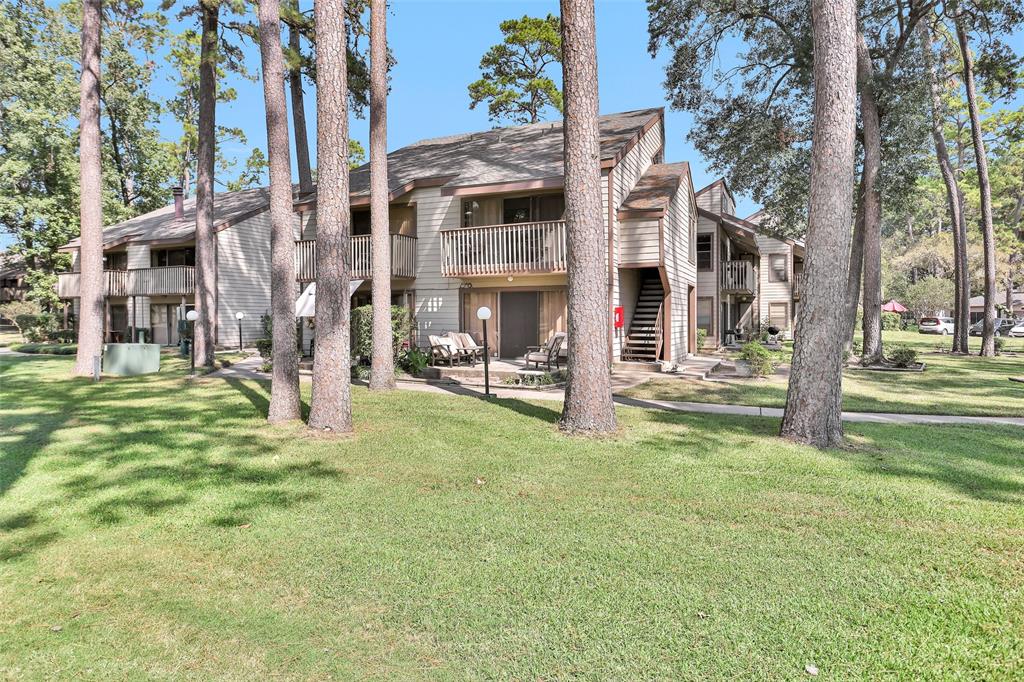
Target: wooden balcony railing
403, 257
504, 249
738, 277
171, 280
798, 276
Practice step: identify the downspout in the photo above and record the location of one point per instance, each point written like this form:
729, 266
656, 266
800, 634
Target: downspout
611, 267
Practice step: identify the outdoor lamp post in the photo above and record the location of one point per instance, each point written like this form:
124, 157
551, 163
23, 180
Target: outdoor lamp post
192, 316
483, 314
239, 316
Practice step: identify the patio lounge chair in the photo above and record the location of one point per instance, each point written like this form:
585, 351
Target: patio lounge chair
469, 347
548, 353
444, 349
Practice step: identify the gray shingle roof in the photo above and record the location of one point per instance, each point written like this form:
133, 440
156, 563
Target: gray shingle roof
521, 153
656, 187
162, 225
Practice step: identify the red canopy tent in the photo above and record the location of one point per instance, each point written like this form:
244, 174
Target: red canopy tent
893, 307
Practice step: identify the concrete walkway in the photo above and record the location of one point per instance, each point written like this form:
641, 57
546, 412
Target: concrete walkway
247, 369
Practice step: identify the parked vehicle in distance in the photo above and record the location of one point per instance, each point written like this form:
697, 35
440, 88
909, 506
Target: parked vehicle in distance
935, 325
1017, 331
1003, 327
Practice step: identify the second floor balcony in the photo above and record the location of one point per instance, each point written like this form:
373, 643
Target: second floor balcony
161, 281
536, 247
738, 277
403, 257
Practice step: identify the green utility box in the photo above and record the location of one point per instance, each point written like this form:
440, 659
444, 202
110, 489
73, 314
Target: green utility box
129, 359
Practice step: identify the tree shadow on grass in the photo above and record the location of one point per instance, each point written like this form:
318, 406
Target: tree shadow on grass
134, 448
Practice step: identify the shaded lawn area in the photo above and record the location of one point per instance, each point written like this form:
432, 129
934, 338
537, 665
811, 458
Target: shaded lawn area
957, 385
149, 527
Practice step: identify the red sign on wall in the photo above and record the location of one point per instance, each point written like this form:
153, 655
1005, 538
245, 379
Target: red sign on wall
618, 317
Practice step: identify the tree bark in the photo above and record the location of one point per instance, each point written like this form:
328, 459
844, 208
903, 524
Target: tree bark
204, 336
588, 404
284, 391
988, 347
813, 411
299, 116
955, 202
90, 320
331, 406
382, 370
856, 268
872, 322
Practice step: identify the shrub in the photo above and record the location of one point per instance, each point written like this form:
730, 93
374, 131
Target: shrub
702, 337
21, 312
265, 347
361, 372
46, 348
545, 379
266, 367
413, 360
761, 362
1000, 344
902, 356
890, 321
362, 329
62, 336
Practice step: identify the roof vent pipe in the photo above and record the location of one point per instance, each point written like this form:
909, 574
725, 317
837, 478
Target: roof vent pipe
179, 203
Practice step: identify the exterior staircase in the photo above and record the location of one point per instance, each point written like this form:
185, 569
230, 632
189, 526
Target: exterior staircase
643, 342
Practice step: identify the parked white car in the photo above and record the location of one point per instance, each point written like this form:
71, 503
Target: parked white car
935, 325
1018, 330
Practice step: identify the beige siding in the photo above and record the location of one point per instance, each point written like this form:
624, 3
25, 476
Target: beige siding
138, 257
625, 175
437, 297
774, 292
707, 280
717, 200
679, 227
639, 241
243, 278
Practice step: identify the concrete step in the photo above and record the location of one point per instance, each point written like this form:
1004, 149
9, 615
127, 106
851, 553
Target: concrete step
636, 366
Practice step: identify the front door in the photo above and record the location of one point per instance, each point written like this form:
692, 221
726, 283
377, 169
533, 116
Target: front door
519, 324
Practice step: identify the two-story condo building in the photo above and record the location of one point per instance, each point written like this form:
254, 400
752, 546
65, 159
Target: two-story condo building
476, 219
745, 277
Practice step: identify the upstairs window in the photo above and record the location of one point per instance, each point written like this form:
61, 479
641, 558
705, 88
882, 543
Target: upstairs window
116, 261
171, 257
778, 268
704, 242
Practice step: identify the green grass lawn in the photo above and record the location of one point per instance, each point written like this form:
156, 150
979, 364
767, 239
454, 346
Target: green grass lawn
153, 528
959, 385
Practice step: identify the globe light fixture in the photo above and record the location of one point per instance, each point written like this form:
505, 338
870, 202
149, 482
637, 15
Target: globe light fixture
483, 313
239, 316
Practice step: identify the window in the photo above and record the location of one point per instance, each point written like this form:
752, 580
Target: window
778, 268
116, 261
550, 207
705, 309
778, 315
170, 257
704, 242
516, 210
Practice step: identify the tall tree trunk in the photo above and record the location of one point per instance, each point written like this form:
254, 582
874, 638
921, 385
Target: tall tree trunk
331, 406
382, 370
988, 347
856, 269
872, 324
299, 114
588, 394
284, 391
955, 202
90, 320
814, 401
204, 336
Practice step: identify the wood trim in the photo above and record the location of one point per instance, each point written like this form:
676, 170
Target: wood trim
611, 268
555, 182
637, 214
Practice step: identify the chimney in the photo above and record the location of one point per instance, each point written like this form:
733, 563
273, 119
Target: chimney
179, 203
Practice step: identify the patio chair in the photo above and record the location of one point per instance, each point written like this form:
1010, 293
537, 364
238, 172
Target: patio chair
548, 353
469, 346
443, 349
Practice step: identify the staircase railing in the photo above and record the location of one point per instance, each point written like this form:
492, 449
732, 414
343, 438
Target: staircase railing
658, 336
